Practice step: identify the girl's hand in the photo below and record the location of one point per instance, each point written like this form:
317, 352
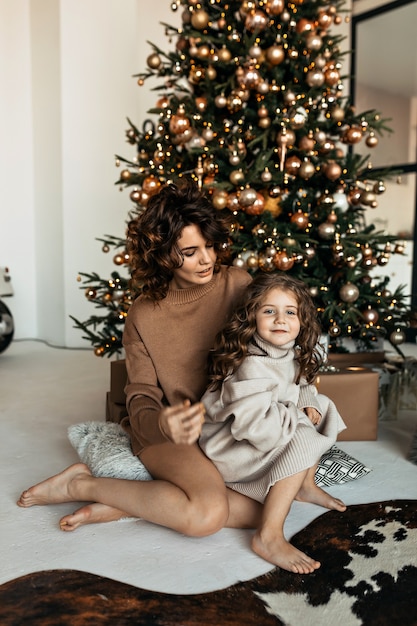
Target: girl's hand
182, 423
313, 415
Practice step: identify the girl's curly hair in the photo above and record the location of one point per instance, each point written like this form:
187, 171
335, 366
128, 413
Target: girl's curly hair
231, 344
152, 236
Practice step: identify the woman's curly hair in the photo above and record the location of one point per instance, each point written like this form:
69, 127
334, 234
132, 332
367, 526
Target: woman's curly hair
152, 237
231, 344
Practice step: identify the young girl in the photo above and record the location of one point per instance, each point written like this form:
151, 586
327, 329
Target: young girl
266, 427
176, 247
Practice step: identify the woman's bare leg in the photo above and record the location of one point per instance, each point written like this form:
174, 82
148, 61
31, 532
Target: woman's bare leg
269, 541
188, 494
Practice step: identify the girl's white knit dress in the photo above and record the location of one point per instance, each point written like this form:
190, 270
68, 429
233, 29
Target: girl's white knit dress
256, 432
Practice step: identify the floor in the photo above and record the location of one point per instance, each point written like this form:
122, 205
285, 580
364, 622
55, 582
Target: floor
43, 390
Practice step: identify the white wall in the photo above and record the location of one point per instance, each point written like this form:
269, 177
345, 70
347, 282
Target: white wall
67, 87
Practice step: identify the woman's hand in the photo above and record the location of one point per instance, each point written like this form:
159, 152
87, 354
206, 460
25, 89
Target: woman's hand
313, 415
182, 423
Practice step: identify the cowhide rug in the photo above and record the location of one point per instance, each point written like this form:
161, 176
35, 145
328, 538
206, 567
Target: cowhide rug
368, 576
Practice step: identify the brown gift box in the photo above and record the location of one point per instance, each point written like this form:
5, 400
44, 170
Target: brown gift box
114, 412
118, 379
349, 359
355, 392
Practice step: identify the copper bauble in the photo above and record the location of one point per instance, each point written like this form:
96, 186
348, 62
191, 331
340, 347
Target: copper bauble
354, 197
300, 219
256, 21
331, 77
239, 262
266, 263
274, 7
179, 123
314, 42
201, 103
90, 293
257, 207
304, 25
326, 230
349, 292
370, 316
151, 184
135, 195
292, 165
371, 141
283, 261
233, 202
220, 101
353, 134
332, 171
334, 330
306, 143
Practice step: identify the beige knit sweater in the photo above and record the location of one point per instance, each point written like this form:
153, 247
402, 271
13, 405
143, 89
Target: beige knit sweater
256, 432
166, 346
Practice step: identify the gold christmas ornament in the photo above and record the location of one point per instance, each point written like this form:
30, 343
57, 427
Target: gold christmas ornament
349, 292
220, 200
275, 55
252, 261
326, 230
154, 61
397, 337
199, 19
306, 170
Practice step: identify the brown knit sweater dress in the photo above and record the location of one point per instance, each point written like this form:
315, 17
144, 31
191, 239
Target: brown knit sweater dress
167, 345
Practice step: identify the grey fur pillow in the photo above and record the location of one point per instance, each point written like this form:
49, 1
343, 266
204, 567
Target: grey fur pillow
105, 448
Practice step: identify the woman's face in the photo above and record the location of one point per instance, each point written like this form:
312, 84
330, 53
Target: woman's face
277, 319
199, 259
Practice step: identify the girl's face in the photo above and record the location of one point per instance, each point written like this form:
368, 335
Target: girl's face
199, 259
277, 318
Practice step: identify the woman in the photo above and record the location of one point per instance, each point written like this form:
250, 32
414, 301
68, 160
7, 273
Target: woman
175, 247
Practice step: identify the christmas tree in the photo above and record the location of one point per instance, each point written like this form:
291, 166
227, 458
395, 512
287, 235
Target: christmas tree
250, 104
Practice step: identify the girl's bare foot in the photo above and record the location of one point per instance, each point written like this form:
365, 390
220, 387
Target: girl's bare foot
54, 490
281, 553
90, 514
315, 495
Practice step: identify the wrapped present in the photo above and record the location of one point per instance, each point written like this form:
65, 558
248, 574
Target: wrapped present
355, 392
118, 379
114, 412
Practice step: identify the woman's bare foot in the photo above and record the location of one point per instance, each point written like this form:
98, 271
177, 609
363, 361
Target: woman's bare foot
95, 513
315, 495
281, 553
54, 490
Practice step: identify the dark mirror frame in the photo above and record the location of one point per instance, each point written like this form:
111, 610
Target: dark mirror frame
406, 168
